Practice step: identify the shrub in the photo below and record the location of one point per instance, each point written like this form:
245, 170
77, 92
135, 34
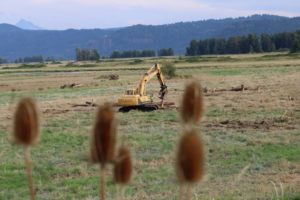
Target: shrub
31, 66
136, 61
168, 70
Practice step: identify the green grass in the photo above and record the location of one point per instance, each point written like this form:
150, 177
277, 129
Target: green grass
61, 167
136, 62
52, 94
28, 66
232, 158
82, 65
60, 160
258, 71
240, 114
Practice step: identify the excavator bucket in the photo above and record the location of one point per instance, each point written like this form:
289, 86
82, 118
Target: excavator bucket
163, 92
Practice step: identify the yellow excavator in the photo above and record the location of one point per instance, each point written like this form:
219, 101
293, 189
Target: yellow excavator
137, 99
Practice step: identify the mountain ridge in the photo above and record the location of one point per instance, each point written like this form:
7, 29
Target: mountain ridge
27, 25
56, 43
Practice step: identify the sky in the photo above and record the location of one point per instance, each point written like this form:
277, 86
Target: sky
78, 14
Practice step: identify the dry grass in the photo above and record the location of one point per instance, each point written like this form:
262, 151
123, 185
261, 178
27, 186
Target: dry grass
252, 137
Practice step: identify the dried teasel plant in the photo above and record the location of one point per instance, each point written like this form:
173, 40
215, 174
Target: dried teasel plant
192, 103
26, 133
190, 158
189, 161
103, 142
26, 123
122, 169
190, 153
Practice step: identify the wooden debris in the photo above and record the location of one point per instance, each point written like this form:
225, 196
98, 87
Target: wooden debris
291, 98
55, 111
109, 77
113, 77
237, 89
233, 89
86, 104
72, 85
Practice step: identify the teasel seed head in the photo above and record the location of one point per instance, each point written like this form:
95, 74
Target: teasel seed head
123, 166
190, 158
192, 103
104, 136
26, 122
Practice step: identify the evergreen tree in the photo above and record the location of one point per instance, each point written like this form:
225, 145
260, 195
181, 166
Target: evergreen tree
254, 43
33, 59
87, 54
233, 45
165, 52
245, 44
132, 54
267, 44
220, 47
295, 46
192, 49
3, 60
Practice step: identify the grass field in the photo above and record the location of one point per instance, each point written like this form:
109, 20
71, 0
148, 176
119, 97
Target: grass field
252, 138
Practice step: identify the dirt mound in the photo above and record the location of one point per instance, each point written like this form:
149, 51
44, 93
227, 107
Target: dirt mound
86, 104
55, 111
232, 89
258, 124
109, 77
71, 85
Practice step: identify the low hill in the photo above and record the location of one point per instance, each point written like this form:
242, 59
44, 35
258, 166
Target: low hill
16, 42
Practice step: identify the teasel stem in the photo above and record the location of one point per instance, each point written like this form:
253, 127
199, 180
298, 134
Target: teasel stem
181, 191
28, 166
102, 183
188, 192
120, 191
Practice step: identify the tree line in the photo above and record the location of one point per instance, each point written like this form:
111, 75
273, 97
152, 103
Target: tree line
87, 54
37, 58
246, 44
250, 43
3, 61
132, 54
30, 59
142, 53
94, 55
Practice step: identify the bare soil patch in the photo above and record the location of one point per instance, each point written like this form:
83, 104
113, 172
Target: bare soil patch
274, 123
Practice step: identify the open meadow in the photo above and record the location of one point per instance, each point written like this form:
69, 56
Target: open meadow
251, 137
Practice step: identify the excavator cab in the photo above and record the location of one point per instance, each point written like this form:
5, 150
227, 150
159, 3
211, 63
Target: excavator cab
130, 92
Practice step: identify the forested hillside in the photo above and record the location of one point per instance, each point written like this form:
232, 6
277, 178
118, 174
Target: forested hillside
16, 42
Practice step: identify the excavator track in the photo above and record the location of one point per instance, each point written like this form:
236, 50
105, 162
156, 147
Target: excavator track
143, 108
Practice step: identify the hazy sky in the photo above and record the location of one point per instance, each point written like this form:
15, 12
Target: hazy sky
63, 14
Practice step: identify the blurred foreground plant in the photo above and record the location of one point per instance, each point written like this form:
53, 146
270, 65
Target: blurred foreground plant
190, 153
26, 133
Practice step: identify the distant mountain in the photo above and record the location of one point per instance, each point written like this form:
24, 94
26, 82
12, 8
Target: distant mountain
15, 42
8, 28
27, 25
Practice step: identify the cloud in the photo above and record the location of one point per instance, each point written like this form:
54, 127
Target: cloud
169, 4
61, 14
